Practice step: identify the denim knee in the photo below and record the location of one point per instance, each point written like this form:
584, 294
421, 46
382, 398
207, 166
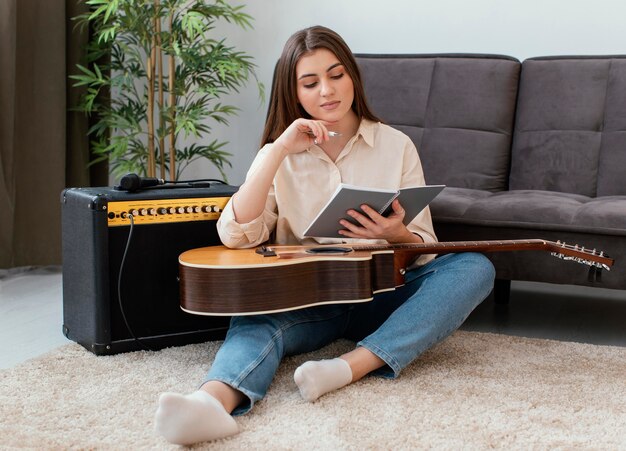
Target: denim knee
480, 272
480, 267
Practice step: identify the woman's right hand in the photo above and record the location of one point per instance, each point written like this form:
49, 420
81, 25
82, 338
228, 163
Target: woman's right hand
302, 134
248, 203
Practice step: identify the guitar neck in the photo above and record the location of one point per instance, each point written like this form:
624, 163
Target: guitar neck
460, 246
558, 249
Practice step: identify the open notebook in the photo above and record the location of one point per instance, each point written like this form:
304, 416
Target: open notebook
350, 197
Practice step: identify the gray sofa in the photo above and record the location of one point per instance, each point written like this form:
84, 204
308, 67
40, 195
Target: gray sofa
533, 149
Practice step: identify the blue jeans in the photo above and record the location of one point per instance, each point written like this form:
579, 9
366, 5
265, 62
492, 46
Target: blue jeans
397, 326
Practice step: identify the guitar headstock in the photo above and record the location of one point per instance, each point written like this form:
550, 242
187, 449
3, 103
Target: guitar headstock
580, 254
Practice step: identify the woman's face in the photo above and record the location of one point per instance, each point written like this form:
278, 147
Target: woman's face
324, 88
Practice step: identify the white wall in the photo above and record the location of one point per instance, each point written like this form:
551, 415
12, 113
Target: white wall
519, 28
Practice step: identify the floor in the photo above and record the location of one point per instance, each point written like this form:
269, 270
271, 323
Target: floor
31, 310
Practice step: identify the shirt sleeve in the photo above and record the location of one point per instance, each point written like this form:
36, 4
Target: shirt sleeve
251, 234
413, 175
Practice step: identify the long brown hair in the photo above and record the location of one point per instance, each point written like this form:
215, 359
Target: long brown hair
284, 107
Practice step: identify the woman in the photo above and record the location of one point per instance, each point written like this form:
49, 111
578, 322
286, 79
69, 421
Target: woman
317, 90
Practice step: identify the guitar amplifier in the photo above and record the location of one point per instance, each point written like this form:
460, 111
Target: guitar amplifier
109, 311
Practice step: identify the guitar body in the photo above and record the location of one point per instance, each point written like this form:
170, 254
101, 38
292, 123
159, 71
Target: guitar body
217, 280
220, 281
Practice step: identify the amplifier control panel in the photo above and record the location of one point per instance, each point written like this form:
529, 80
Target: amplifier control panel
158, 211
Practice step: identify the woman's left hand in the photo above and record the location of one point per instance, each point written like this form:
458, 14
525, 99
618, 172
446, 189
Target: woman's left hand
375, 226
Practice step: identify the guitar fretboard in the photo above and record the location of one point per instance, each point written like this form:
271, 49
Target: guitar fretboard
561, 250
522, 244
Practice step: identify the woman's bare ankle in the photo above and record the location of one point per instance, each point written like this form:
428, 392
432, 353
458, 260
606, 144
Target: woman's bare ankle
362, 361
229, 397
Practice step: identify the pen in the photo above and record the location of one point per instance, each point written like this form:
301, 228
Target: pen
331, 134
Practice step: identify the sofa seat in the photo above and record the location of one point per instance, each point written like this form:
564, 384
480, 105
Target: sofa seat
532, 209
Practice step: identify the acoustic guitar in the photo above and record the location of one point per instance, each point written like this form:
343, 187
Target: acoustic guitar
217, 280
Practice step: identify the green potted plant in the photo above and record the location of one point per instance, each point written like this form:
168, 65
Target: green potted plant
164, 73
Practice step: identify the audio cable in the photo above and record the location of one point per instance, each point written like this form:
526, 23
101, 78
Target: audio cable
119, 287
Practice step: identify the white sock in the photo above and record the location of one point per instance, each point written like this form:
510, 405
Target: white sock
196, 417
316, 378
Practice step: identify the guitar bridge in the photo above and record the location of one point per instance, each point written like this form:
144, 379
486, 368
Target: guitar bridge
265, 251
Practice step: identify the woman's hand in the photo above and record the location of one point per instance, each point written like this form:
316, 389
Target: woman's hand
376, 226
248, 203
302, 134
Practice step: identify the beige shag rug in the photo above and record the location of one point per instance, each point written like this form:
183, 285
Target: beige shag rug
474, 391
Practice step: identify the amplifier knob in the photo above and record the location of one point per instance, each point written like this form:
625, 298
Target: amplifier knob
180, 209
189, 209
162, 211
206, 209
172, 210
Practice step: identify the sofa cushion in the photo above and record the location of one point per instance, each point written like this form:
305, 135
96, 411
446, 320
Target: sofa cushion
532, 209
457, 109
570, 127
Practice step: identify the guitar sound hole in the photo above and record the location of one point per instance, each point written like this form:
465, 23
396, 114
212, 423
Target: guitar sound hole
329, 250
